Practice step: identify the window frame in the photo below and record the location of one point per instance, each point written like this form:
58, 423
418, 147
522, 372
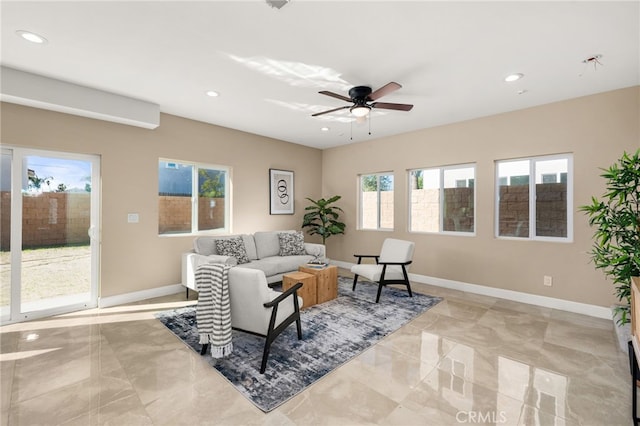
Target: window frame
533, 160
196, 166
378, 209
441, 204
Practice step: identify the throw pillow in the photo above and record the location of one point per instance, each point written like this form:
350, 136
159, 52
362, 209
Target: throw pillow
291, 243
232, 247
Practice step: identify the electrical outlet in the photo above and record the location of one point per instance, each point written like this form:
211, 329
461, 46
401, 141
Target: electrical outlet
133, 218
548, 280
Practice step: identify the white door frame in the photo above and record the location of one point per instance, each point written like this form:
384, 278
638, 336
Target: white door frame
18, 179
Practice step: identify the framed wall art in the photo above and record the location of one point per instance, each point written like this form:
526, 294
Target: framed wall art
281, 191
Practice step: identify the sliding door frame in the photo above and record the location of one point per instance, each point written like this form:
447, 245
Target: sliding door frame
18, 180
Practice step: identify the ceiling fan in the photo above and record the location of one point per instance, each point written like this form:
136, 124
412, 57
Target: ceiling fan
362, 98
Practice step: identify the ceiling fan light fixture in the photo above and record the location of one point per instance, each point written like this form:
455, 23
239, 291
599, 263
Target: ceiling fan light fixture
360, 98
360, 110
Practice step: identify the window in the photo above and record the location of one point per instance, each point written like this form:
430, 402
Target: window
534, 196
376, 201
442, 199
192, 197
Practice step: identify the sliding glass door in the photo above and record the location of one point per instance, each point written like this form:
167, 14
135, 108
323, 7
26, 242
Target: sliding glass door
49, 248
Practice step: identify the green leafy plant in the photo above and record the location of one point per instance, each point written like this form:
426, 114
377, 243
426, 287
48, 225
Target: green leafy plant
322, 218
616, 219
211, 183
35, 182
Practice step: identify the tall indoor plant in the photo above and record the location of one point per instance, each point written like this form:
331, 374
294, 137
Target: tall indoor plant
322, 218
616, 219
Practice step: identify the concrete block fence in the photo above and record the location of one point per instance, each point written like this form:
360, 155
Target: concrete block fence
48, 219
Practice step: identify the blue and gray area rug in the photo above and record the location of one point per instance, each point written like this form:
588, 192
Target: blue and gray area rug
332, 332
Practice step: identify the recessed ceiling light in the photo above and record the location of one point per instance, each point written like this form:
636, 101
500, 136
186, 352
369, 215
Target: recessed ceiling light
213, 93
324, 129
32, 37
513, 77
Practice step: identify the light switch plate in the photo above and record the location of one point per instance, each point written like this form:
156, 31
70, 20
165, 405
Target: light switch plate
133, 218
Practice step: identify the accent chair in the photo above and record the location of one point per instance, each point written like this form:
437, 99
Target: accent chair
390, 267
258, 309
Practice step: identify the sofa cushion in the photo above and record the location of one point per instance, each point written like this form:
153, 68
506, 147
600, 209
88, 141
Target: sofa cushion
291, 243
205, 246
267, 243
250, 246
232, 247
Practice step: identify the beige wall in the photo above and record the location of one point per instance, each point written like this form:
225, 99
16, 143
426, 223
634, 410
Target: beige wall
133, 256
595, 129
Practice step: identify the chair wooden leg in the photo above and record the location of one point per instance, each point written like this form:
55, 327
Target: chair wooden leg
265, 355
380, 285
406, 279
382, 282
296, 310
355, 280
299, 327
204, 349
271, 335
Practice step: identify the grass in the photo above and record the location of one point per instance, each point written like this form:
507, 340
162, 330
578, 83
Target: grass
48, 272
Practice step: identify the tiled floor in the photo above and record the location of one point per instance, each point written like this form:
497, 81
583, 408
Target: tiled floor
469, 360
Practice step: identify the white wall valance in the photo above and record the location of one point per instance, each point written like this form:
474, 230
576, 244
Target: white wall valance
24, 88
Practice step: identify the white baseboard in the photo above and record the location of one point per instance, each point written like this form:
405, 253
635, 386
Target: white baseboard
532, 299
121, 299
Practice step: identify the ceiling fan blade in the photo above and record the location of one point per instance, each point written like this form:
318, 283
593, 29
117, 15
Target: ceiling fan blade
384, 90
331, 110
335, 95
387, 105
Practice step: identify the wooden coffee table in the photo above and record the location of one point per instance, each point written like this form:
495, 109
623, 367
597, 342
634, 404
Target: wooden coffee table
326, 281
308, 289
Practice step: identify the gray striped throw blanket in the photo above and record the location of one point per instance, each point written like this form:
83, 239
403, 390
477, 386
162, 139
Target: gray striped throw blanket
213, 312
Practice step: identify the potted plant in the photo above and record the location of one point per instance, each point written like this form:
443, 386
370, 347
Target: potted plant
616, 219
322, 218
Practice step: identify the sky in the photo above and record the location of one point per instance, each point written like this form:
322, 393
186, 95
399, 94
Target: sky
75, 174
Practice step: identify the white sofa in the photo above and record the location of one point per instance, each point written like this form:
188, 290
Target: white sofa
263, 251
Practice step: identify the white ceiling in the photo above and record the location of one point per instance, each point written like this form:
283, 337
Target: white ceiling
268, 64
